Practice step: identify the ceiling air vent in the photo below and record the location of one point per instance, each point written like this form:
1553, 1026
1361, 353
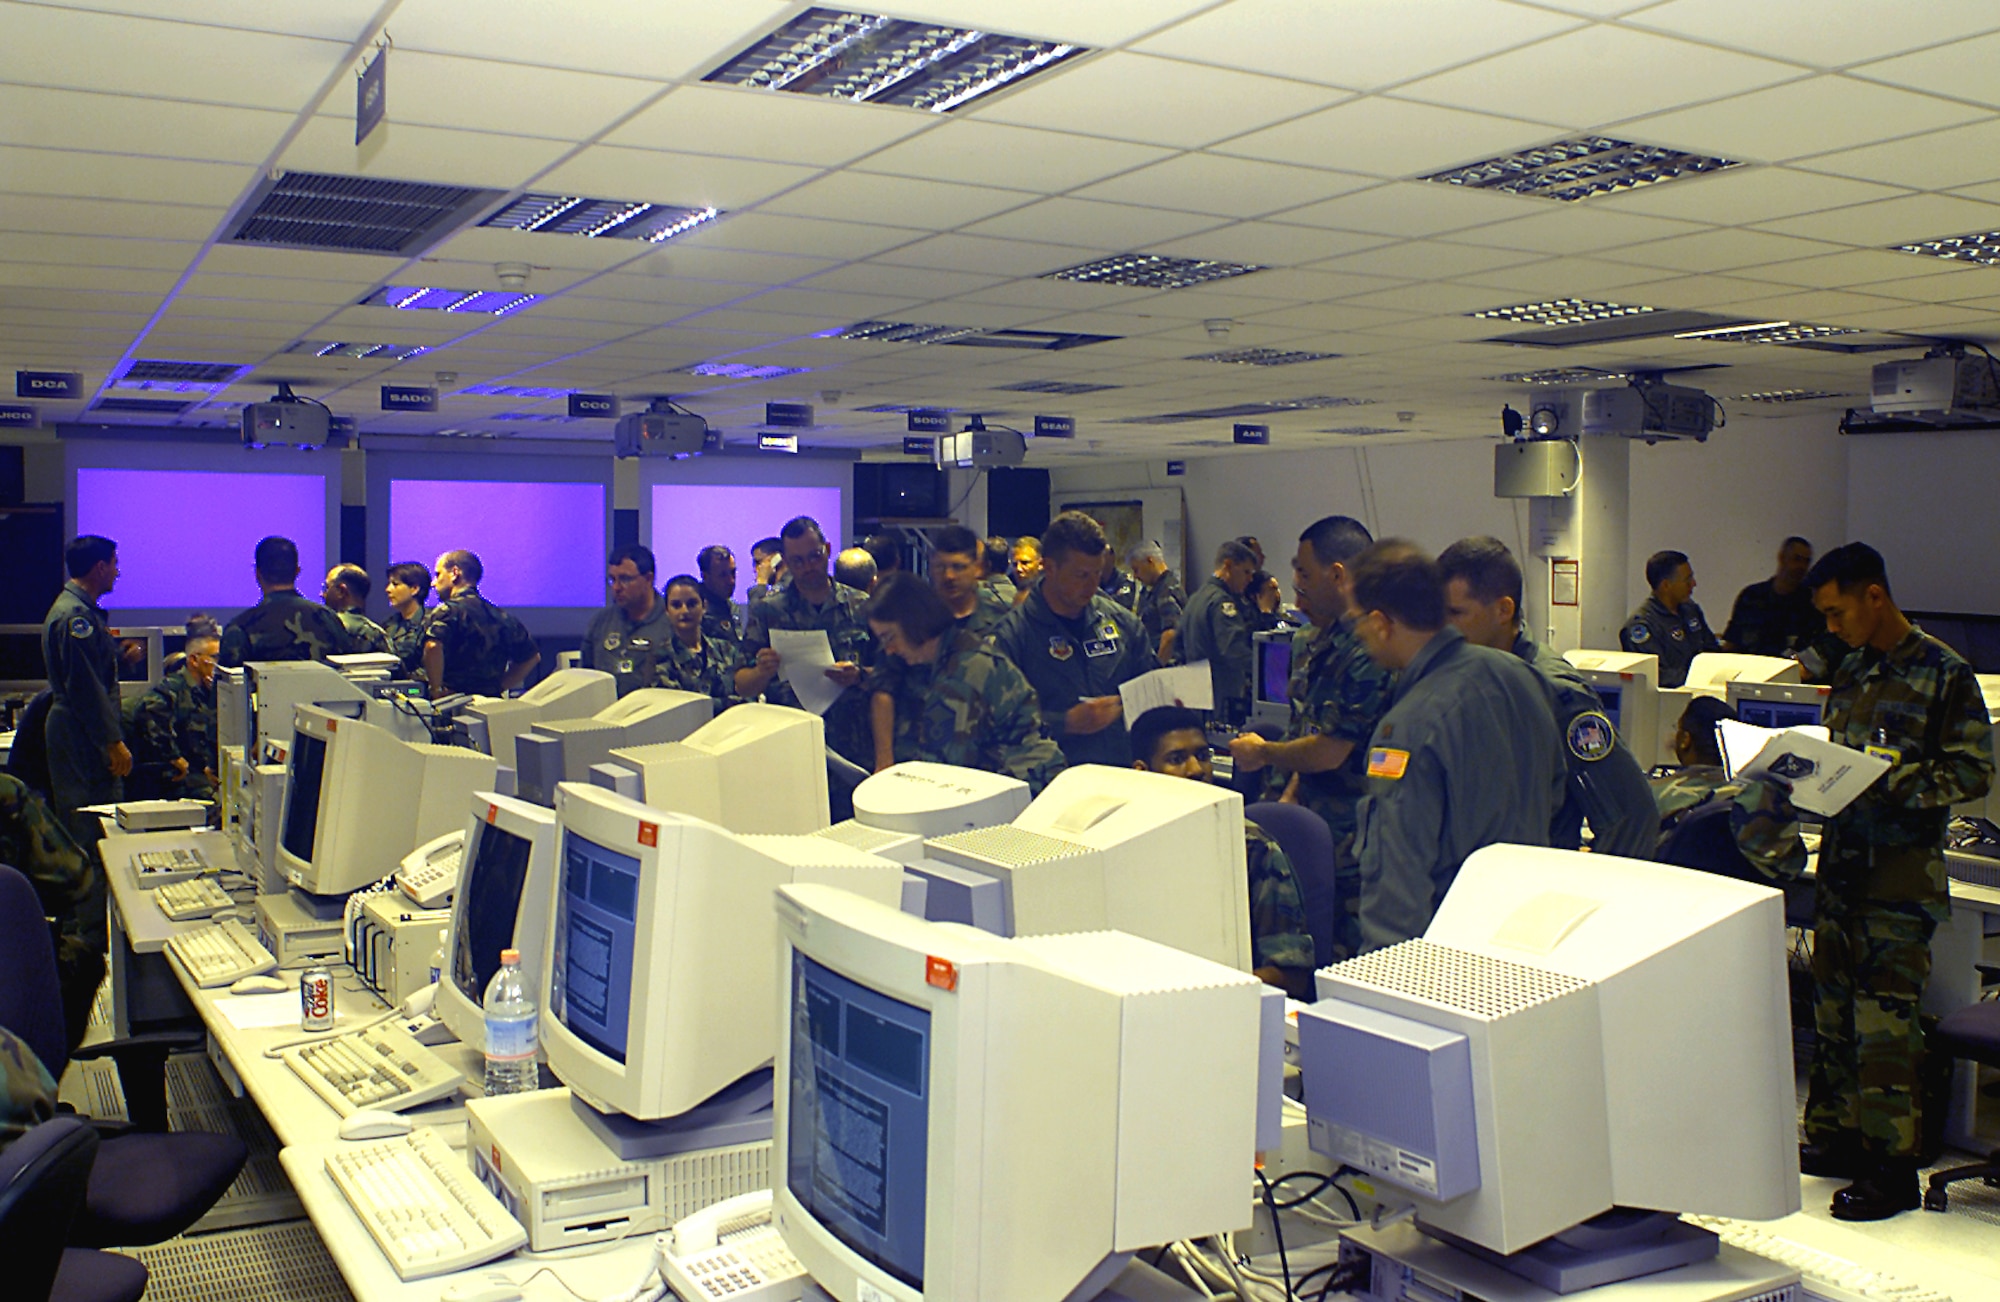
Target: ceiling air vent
143, 406
1262, 357
911, 332
354, 214
148, 369
1068, 388
1235, 410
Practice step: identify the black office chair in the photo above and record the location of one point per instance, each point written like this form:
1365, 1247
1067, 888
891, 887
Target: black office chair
43, 1176
1971, 1033
28, 760
1705, 841
1308, 842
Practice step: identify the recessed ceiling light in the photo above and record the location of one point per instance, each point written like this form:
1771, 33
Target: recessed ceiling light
1068, 388
880, 60
1360, 430
742, 370
1262, 357
530, 415
1557, 375
373, 352
1787, 395
594, 219
907, 332
1151, 271
1272, 408
1768, 332
512, 391
1560, 312
1581, 167
1983, 248
423, 298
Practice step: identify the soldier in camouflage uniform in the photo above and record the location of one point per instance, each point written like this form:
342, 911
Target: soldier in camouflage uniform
1762, 821
470, 644
993, 555
1170, 739
691, 658
27, 1091
172, 726
721, 617
345, 593
1338, 695
70, 888
955, 572
1881, 888
408, 587
284, 625
812, 600
958, 702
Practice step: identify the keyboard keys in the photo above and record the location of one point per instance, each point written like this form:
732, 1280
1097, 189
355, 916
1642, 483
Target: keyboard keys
422, 1205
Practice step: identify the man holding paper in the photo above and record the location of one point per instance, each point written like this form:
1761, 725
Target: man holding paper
1906, 698
812, 602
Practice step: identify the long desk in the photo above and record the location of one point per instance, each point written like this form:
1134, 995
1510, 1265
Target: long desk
140, 990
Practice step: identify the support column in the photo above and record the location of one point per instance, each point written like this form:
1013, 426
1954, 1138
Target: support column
1587, 530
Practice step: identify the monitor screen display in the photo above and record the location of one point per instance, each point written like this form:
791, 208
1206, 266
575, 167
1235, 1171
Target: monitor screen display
1274, 671
185, 538
860, 1116
596, 929
1778, 714
541, 544
1613, 698
689, 517
489, 898
302, 796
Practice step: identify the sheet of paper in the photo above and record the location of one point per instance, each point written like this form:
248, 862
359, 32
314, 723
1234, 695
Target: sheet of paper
1824, 776
804, 656
249, 1012
1187, 685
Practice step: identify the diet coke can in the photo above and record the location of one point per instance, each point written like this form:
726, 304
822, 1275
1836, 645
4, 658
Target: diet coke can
316, 999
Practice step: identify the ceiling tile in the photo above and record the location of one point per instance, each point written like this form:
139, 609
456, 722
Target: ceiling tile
338, 20
1840, 32
1414, 208
75, 174
66, 277
758, 124
1155, 101
1718, 250
1858, 267
211, 284
1963, 69
1102, 22
656, 41
1894, 221
655, 175
987, 153
1928, 162
128, 124
1562, 278
1000, 257
1229, 187
729, 267
1574, 228
1801, 117
436, 90
918, 284
895, 201
770, 232
1269, 244
1100, 225
1744, 194
1426, 300
88, 251
414, 153
1427, 260
1388, 137
493, 244
56, 216
1597, 76
1360, 44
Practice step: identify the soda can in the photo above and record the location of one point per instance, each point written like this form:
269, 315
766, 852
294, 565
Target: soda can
316, 999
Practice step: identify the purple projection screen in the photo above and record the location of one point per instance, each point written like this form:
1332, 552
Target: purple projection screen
185, 538
542, 544
688, 517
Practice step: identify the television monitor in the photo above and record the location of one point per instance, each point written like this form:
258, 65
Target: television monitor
1157, 856
506, 879
562, 750
357, 799
662, 953
678, 519
1779, 705
754, 768
541, 543
1661, 992
1271, 690
168, 569
493, 722
965, 1116
264, 698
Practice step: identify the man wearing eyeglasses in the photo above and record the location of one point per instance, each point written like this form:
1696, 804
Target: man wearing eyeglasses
628, 637
812, 600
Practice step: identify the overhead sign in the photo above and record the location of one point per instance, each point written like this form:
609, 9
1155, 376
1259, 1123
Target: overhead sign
593, 406
789, 415
48, 384
16, 416
777, 443
371, 96
408, 397
1256, 434
1055, 427
930, 422
1177, 467
919, 447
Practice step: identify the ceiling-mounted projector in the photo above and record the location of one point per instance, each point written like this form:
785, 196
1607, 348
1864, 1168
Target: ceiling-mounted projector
1644, 409
1945, 383
980, 448
286, 421
662, 432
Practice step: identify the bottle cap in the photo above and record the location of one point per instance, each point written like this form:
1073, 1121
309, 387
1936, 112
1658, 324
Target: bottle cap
510, 956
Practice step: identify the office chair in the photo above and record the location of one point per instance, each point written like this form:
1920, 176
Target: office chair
28, 760
1705, 842
43, 1176
1308, 842
146, 1185
1971, 1033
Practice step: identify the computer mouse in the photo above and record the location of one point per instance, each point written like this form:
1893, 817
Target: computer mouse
259, 985
482, 1288
368, 1124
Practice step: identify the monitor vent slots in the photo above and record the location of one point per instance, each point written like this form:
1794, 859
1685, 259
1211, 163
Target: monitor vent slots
860, 836
1456, 978
1010, 847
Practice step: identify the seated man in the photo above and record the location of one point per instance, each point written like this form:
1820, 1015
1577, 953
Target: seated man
1761, 817
172, 726
1170, 739
67, 883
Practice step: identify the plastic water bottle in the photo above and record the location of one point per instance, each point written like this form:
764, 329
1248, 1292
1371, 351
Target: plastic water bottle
512, 1029
437, 957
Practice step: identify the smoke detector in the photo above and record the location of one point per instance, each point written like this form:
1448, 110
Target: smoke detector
1218, 327
512, 275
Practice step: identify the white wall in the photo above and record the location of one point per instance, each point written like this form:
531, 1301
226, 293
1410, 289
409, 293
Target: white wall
1927, 502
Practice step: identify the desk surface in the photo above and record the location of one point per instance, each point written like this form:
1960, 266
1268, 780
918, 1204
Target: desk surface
146, 928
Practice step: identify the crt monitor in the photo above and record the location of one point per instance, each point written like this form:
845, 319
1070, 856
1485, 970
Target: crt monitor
505, 882
929, 799
276, 689
1712, 671
492, 722
357, 799
1157, 856
563, 750
1271, 668
1779, 705
663, 957
965, 1116
1662, 993
754, 768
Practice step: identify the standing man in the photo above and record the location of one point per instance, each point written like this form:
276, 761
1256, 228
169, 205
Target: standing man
1076, 645
955, 577
1467, 755
855, 567
767, 565
1213, 628
812, 600
408, 588
470, 644
283, 625
1338, 695
628, 638
1668, 624
344, 593
1607, 787
1160, 599
1880, 891
85, 733
1777, 618
1117, 584
993, 554
720, 617
1024, 565
173, 724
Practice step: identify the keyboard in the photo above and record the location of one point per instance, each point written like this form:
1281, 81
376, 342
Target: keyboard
159, 865
752, 1265
197, 897
381, 1067
219, 955
1821, 1274
420, 1201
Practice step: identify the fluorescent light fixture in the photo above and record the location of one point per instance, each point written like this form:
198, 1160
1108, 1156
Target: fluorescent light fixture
1982, 248
423, 298
1581, 167
1787, 395
512, 391
1768, 332
907, 332
742, 370
874, 59
1262, 357
1273, 408
1557, 375
373, 352
593, 219
1065, 387
1360, 430
540, 416
1560, 312
1151, 271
